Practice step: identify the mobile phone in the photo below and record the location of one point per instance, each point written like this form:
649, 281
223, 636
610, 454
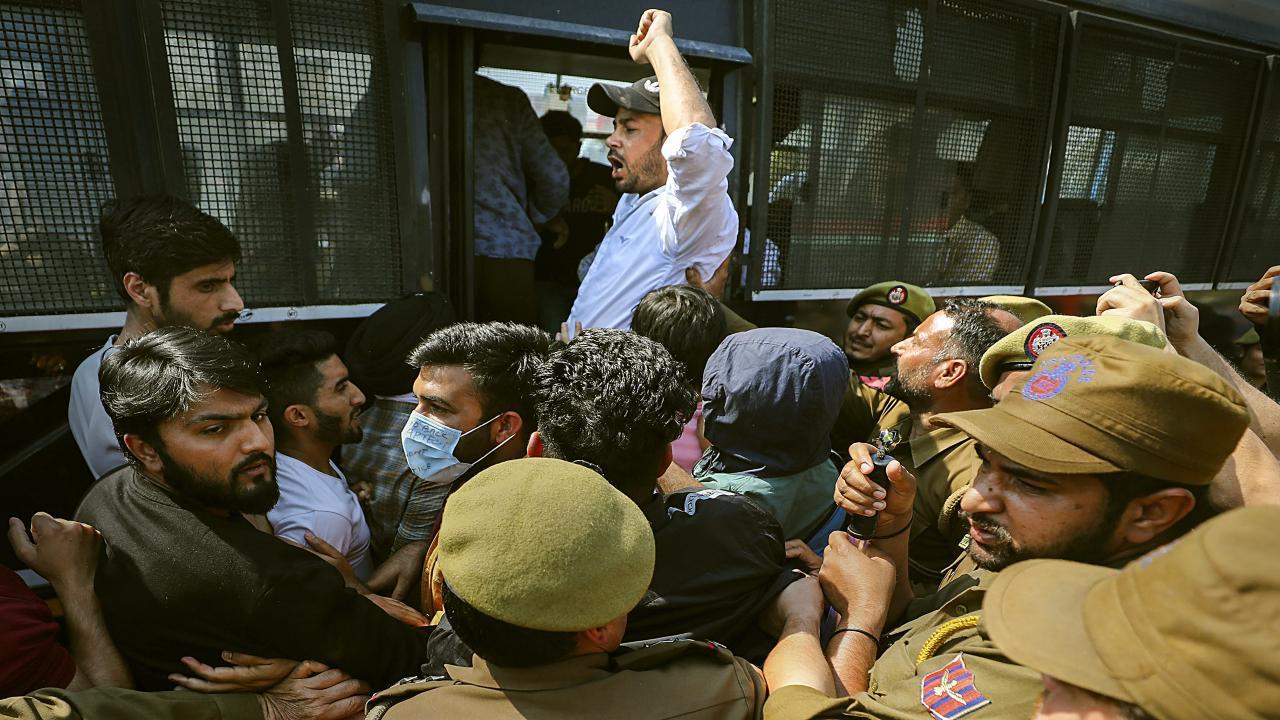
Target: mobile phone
863, 527
1150, 286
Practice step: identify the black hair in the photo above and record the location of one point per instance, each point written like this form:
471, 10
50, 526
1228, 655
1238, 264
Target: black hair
1125, 487
290, 364
162, 374
500, 642
614, 399
974, 330
500, 357
558, 123
687, 321
160, 237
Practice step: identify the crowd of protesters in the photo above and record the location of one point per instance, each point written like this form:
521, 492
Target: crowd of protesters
652, 514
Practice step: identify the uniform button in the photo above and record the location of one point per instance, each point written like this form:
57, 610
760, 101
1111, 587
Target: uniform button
960, 610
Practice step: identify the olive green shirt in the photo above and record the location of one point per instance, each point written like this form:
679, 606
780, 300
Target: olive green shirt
944, 462
686, 679
863, 413
925, 661
117, 703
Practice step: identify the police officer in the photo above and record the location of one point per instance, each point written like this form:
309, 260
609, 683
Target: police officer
543, 599
1009, 360
1206, 649
1081, 462
879, 317
1027, 309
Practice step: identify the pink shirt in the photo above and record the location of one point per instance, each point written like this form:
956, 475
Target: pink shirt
686, 451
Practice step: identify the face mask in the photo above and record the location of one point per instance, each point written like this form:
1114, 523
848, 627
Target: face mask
429, 445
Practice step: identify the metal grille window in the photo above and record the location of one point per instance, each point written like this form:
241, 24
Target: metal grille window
53, 164
1152, 154
1259, 245
342, 88
231, 122
323, 232
909, 141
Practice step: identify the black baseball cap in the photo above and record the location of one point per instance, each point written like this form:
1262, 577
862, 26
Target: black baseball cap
639, 96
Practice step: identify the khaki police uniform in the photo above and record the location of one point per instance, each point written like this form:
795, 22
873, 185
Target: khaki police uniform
863, 412
58, 704
1090, 406
944, 462
678, 679
1206, 648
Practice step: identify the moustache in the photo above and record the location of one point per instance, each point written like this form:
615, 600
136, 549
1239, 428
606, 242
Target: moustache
987, 525
224, 318
253, 460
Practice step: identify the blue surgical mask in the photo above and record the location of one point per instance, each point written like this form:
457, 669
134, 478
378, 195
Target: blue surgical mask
429, 445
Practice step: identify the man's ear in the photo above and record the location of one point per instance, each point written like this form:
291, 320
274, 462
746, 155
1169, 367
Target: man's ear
297, 416
1150, 515
535, 448
142, 293
950, 373
146, 454
507, 425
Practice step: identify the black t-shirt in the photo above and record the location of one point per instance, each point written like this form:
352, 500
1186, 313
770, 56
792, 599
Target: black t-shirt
592, 199
720, 560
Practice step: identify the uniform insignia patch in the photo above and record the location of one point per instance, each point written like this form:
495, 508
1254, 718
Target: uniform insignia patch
1056, 374
1041, 337
897, 295
950, 692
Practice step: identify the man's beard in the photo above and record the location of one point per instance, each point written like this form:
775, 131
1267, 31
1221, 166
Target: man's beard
645, 173
225, 493
330, 429
910, 388
1088, 546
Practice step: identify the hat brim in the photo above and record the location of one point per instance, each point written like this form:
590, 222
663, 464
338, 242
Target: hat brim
605, 99
1034, 612
1024, 443
855, 303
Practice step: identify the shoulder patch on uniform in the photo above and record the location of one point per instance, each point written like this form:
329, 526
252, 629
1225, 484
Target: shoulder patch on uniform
896, 295
950, 692
1041, 337
692, 499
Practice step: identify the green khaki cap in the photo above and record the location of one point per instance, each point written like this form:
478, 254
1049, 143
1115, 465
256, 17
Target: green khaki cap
547, 545
910, 300
1095, 405
1026, 309
1187, 632
1019, 349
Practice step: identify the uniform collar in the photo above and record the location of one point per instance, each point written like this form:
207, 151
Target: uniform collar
928, 446
554, 676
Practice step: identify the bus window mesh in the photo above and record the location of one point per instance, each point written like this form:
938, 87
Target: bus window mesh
1259, 244
1152, 155
905, 145
235, 147
342, 87
54, 174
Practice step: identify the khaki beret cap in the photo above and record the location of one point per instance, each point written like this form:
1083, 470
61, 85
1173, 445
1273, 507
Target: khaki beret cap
1188, 631
547, 545
1026, 309
910, 300
1096, 405
1020, 348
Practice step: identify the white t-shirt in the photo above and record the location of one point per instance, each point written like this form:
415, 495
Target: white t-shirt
89, 421
319, 502
689, 221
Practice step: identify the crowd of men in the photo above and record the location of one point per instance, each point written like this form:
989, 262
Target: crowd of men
646, 516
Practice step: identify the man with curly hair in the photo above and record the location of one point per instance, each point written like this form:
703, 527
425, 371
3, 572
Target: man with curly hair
615, 400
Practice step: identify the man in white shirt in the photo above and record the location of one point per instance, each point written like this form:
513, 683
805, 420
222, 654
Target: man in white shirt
672, 164
172, 265
314, 407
